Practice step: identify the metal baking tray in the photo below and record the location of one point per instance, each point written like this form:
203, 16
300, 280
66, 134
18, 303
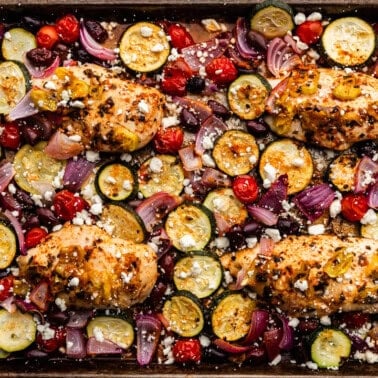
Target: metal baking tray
185, 10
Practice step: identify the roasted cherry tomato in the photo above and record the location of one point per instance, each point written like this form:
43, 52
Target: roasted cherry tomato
34, 236
47, 36
188, 350
67, 204
175, 77
309, 31
221, 70
245, 188
49, 343
10, 135
169, 140
68, 28
6, 287
180, 37
354, 207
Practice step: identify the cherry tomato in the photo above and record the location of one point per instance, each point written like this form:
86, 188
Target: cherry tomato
67, 204
175, 77
354, 207
6, 287
47, 36
68, 28
50, 344
34, 236
245, 188
188, 350
169, 140
221, 70
180, 37
309, 31
10, 135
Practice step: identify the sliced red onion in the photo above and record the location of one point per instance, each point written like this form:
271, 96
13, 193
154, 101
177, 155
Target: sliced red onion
231, 348
262, 215
61, 147
148, 336
293, 44
27, 306
266, 246
9, 202
367, 172
75, 343
314, 201
96, 347
7, 173
210, 130
258, 39
18, 229
153, 209
40, 295
161, 240
259, 322
274, 196
213, 178
93, 47
272, 339
287, 340
373, 196
23, 109
241, 31
290, 63
42, 72
277, 53
276, 93
9, 304
76, 172
222, 225
189, 159
198, 108
79, 318
240, 280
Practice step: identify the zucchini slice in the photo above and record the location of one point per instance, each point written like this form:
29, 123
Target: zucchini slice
236, 152
286, 156
348, 41
17, 330
231, 316
124, 221
184, 314
199, 273
144, 47
161, 173
36, 171
342, 171
223, 203
116, 181
329, 346
272, 18
116, 330
370, 230
8, 244
189, 227
14, 83
247, 96
16, 43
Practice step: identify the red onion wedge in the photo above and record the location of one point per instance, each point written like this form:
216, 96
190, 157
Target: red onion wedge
42, 72
23, 109
231, 348
259, 323
287, 340
96, 347
198, 108
7, 173
373, 196
258, 39
213, 178
314, 201
148, 335
9, 304
40, 295
79, 318
262, 215
276, 93
75, 343
266, 246
189, 159
210, 130
76, 172
61, 147
272, 339
274, 196
93, 47
367, 172
242, 43
240, 280
18, 229
278, 52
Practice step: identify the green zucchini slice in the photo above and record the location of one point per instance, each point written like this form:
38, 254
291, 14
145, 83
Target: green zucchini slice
329, 347
8, 244
199, 273
16, 43
116, 181
17, 330
144, 47
189, 227
231, 316
247, 96
370, 230
236, 152
184, 314
348, 41
342, 171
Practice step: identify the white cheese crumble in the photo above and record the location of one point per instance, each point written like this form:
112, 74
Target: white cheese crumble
300, 284
335, 208
143, 107
316, 229
146, 31
156, 165
187, 241
370, 217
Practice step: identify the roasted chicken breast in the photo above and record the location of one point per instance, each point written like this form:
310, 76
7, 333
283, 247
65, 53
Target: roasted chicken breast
88, 268
319, 274
326, 107
102, 110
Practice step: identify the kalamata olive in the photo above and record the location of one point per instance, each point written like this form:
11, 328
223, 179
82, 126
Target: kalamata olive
62, 50
195, 84
157, 294
288, 225
32, 23
166, 264
31, 134
81, 55
252, 229
189, 121
97, 32
236, 237
47, 217
258, 128
30, 222
9, 202
366, 148
40, 57
24, 199
219, 109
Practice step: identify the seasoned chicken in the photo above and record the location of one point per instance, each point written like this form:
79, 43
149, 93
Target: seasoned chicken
307, 274
103, 111
88, 268
329, 108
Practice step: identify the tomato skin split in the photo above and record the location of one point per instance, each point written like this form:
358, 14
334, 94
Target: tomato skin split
68, 28
245, 188
309, 32
354, 207
180, 37
66, 205
169, 140
47, 36
188, 350
221, 71
34, 236
10, 136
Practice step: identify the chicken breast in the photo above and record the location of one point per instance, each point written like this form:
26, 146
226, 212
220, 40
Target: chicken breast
103, 111
326, 107
311, 274
88, 268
